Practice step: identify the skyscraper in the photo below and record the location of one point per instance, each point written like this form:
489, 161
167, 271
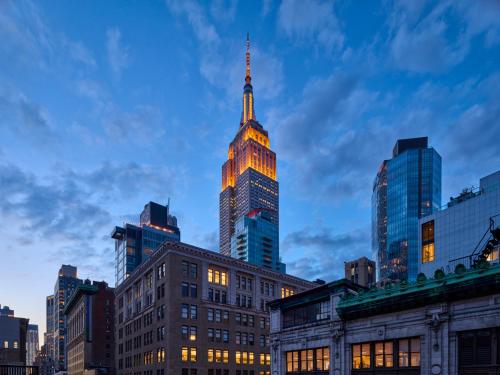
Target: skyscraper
134, 244
406, 188
256, 240
48, 337
31, 344
66, 283
249, 174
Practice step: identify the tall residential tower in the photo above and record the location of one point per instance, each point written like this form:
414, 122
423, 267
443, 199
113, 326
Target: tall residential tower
406, 188
249, 174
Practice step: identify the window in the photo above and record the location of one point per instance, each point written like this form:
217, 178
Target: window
6, 344
188, 354
192, 333
308, 360
185, 268
160, 312
245, 358
306, 314
210, 315
265, 359
194, 290
160, 271
185, 311
185, 289
217, 277
287, 292
185, 332
478, 347
428, 242
361, 356
409, 352
193, 270
193, 312
160, 333
384, 354
160, 355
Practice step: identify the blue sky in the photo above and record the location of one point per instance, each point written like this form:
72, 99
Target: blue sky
107, 105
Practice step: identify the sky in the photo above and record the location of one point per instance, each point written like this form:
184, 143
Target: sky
106, 105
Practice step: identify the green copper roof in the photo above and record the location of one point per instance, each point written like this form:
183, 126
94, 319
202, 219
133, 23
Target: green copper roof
81, 289
314, 295
453, 286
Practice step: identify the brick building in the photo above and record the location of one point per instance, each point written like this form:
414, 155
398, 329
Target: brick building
192, 311
90, 327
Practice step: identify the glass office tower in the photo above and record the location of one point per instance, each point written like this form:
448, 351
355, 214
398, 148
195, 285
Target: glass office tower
406, 188
256, 240
134, 244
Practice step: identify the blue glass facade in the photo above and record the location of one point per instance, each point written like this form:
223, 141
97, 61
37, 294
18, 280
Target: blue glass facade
407, 187
134, 244
256, 240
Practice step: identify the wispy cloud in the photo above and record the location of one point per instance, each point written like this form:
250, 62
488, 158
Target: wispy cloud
311, 20
118, 54
21, 115
324, 251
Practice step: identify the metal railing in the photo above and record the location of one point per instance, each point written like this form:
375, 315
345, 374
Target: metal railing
18, 370
487, 242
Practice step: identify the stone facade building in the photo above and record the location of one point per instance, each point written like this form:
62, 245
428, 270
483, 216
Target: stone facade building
191, 311
446, 325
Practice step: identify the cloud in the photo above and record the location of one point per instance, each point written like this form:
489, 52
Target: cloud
53, 210
118, 55
432, 37
72, 211
325, 252
423, 46
224, 10
27, 39
222, 63
310, 20
203, 30
25, 117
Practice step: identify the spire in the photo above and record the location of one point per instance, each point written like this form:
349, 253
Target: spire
247, 76
248, 112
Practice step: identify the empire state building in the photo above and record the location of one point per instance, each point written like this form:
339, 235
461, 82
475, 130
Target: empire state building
249, 201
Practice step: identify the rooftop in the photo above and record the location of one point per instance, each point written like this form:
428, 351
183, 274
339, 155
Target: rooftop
483, 280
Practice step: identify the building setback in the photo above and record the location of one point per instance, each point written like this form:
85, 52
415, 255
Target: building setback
90, 327
248, 175
256, 240
444, 326
406, 188
360, 271
450, 236
191, 311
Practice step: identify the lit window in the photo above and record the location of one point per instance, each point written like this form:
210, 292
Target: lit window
184, 354
428, 242
192, 355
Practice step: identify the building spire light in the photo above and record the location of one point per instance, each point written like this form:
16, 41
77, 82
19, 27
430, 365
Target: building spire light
248, 109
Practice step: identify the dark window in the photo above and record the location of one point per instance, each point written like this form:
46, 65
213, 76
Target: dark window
185, 289
306, 314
